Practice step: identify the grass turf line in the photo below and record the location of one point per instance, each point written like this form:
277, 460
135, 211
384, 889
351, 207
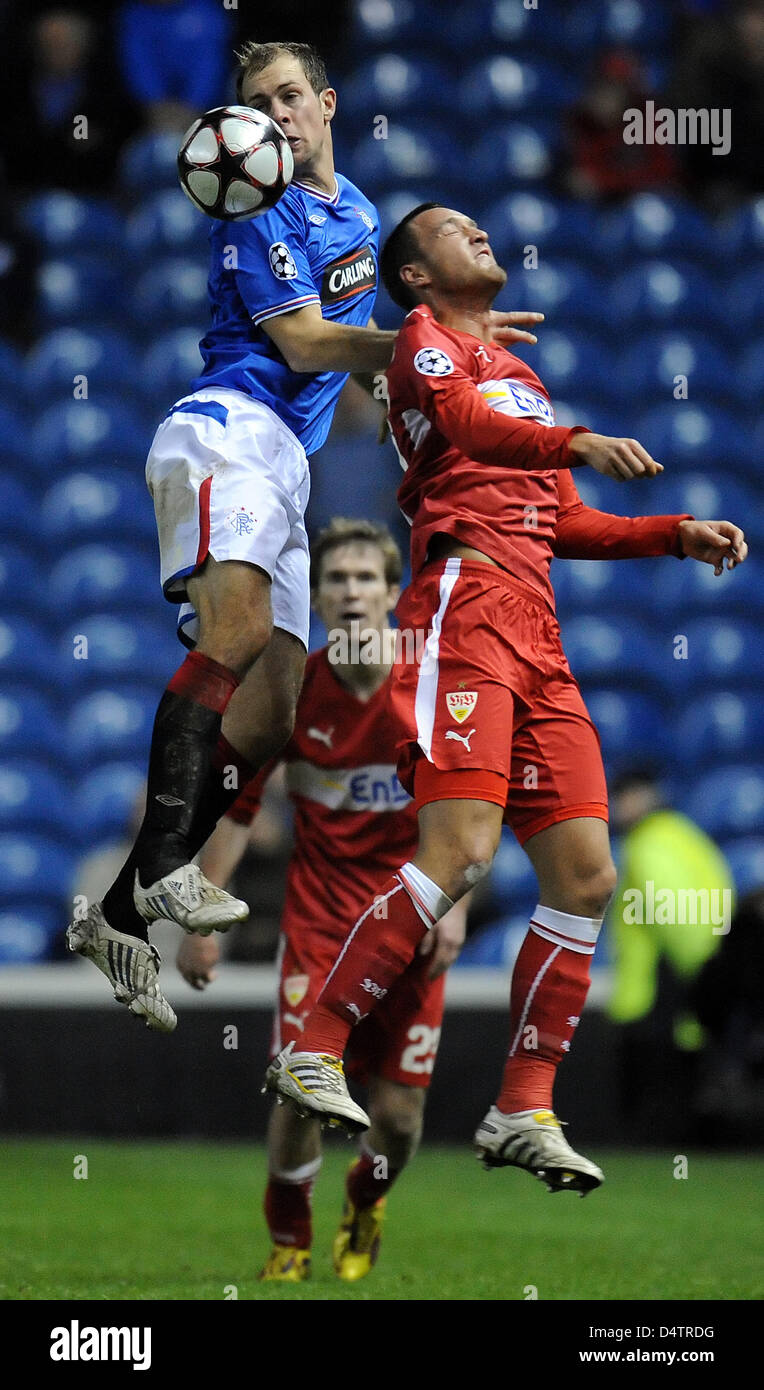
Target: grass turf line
183, 1221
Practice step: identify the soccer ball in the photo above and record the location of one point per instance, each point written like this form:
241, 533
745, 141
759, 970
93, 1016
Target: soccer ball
234, 163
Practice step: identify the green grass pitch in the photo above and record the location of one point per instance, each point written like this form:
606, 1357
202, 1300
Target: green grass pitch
183, 1221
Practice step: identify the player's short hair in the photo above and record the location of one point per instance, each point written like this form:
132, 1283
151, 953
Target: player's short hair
344, 530
254, 56
401, 247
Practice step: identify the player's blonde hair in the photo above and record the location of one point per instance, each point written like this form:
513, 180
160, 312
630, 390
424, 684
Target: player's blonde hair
344, 530
254, 56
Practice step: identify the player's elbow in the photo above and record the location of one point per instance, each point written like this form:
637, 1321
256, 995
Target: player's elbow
298, 356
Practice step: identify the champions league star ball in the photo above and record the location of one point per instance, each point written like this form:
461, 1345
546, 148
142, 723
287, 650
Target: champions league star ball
234, 163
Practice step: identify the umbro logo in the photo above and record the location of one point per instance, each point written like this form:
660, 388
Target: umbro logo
168, 800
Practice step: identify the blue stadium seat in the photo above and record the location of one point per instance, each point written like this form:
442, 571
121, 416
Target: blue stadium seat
80, 432
169, 366
648, 368
569, 363
664, 293
104, 801
394, 206
503, 85
512, 874
168, 224
748, 380
115, 576
411, 154
171, 291
33, 797
63, 222
617, 653
26, 651
105, 356
636, 23
395, 24
559, 289
556, 227
117, 649
14, 440
150, 161
683, 435
505, 25
109, 503
28, 723
110, 724
630, 725
26, 932
744, 303
77, 287
11, 374
745, 856
652, 224
396, 85
720, 725
34, 867
21, 583
728, 801
605, 586
513, 153
740, 234
692, 590
712, 495
720, 651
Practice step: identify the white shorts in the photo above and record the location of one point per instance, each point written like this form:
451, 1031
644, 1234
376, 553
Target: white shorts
230, 480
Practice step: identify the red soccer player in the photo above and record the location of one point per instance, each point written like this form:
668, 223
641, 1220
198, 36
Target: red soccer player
491, 723
354, 824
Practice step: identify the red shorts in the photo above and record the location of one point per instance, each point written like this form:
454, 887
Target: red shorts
398, 1041
490, 690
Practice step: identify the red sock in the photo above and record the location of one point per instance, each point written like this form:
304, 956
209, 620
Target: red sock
377, 951
288, 1209
550, 983
365, 1183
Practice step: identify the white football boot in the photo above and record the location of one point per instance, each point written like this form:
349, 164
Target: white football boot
533, 1139
185, 896
315, 1084
130, 965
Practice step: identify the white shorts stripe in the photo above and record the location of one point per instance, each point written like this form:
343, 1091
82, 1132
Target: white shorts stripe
429, 671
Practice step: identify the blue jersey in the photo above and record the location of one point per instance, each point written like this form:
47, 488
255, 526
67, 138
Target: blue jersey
310, 249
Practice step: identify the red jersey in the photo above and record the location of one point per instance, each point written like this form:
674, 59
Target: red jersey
486, 463
354, 823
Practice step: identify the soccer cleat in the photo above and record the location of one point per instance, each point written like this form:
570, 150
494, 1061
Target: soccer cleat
286, 1265
316, 1086
356, 1244
130, 965
185, 896
533, 1139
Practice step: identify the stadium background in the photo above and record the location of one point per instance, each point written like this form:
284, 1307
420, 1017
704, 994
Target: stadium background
104, 300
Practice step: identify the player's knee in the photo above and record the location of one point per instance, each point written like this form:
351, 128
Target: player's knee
473, 858
593, 887
236, 641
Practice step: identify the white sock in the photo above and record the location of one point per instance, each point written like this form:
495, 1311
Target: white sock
429, 900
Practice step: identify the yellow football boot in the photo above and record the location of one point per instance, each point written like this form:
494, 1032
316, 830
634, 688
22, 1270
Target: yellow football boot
287, 1264
356, 1244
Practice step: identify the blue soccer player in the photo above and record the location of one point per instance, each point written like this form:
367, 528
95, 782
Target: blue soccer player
291, 294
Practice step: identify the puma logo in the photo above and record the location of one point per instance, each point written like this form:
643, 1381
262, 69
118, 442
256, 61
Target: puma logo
463, 738
323, 735
356, 1012
297, 1019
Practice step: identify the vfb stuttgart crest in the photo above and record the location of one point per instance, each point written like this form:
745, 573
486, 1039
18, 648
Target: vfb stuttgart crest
295, 989
461, 703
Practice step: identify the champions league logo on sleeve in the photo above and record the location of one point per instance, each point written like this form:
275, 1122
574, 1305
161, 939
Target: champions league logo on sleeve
281, 261
433, 362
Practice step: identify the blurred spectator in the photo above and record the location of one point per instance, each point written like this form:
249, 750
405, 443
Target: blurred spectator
176, 57
722, 67
659, 946
600, 165
66, 118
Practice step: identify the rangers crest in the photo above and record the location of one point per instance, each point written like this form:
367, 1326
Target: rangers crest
295, 989
461, 703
